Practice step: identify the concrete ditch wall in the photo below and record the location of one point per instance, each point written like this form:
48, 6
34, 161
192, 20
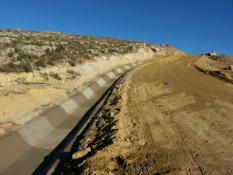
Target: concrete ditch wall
23, 150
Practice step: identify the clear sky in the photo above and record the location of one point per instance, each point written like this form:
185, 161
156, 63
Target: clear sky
195, 26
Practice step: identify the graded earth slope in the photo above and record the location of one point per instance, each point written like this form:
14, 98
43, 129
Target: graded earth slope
170, 119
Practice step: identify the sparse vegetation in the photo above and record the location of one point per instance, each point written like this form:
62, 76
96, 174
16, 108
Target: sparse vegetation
35, 50
10, 54
55, 75
72, 62
70, 71
41, 62
22, 66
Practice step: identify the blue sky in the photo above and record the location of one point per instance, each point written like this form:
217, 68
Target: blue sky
195, 26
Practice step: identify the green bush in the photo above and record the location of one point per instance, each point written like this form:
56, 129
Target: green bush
9, 67
22, 66
72, 62
25, 56
10, 54
55, 75
42, 62
26, 66
60, 48
38, 43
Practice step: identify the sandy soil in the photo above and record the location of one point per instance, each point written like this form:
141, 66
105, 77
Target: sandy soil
173, 119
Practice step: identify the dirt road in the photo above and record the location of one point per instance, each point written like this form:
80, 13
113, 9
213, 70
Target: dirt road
173, 119
186, 116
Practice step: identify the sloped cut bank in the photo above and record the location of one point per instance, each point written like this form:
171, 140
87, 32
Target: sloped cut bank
26, 95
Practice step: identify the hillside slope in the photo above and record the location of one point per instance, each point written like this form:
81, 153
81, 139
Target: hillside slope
39, 68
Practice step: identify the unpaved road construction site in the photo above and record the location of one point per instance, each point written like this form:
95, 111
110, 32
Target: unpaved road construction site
167, 117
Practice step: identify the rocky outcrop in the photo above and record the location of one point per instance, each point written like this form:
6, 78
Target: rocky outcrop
221, 68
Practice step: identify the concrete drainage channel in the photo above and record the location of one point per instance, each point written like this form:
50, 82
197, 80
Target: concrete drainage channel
35, 147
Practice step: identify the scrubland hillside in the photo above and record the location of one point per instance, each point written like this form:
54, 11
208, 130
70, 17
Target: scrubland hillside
39, 68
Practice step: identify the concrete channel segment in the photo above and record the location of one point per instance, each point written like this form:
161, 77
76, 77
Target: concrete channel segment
24, 149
